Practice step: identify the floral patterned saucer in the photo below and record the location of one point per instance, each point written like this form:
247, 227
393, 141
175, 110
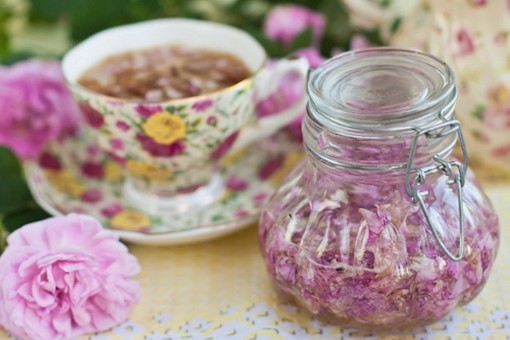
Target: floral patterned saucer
76, 176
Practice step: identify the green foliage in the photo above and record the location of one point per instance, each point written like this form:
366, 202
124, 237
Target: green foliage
16, 204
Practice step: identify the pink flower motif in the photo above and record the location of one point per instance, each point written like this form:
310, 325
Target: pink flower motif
212, 120
36, 107
122, 126
161, 150
270, 167
147, 110
202, 105
224, 146
241, 214
117, 159
497, 118
501, 151
285, 23
479, 3
312, 55
259, 197
93, 150
92, 116
463, 44
91, 196
237, 184
111, 210
92, 170
116, 143
64, 277
49, 161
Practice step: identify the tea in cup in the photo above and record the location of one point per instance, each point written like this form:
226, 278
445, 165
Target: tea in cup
169, 98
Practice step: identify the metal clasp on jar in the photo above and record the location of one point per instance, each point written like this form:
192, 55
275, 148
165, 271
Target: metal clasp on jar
449, 168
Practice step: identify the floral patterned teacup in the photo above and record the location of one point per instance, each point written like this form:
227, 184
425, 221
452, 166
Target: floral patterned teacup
171, 149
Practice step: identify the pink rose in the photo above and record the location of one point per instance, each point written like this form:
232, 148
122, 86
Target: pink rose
235, 183
64, 277
92, 169
147, 110
222, 149
92, 116
285, 23
36, 107
358, 41
161, 150
202, 105
270, 167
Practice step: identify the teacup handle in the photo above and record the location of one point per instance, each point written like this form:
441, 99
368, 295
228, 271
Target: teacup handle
266, 83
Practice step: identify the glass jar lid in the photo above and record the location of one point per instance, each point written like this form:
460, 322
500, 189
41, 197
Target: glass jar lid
381, 89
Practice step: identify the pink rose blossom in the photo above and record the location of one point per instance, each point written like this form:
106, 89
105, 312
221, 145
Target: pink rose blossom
117, 143
224, 146
241, 214
122, 126
147, 110
479, 3
270, 167
259, 197
235, 183
92, 169
36, 107
93, 117
212, 120
285, 23
49, 161
91, 196
463, 44
202, 105
358, 41
112, 209
161, 150
64, 277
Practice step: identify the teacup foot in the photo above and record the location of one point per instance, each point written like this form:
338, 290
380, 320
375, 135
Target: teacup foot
177, 203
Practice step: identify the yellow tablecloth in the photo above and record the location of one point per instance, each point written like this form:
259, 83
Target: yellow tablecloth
220, 290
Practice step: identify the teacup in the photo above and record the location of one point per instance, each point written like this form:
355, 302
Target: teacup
171, 149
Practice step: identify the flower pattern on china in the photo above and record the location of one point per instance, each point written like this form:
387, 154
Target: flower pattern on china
465, 33
77, 176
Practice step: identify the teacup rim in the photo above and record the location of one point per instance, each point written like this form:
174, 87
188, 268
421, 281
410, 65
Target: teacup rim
74, 84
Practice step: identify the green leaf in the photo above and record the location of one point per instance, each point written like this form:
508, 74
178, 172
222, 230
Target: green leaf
14, 57
48, 10
4, 44
15, 220
304, 39
9, 165
478, 111
14, 193
196, 122
395, 24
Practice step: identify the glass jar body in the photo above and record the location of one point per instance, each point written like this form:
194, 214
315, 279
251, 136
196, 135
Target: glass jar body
353, 248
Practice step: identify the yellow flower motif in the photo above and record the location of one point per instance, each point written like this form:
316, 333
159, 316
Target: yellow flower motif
499, 95
165, 128
147, 170
233, 158
65, 182
290, 162
113, 172
129, 220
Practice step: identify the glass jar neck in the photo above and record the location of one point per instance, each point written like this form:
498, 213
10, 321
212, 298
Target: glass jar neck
367, 108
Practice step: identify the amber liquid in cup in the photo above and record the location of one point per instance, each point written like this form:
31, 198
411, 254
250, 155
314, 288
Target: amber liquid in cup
164, 73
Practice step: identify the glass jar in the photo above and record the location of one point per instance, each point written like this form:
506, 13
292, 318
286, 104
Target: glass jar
379, 225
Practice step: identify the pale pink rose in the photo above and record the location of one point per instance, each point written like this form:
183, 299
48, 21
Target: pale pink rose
285, 23
36, 107
64, 277
358, 41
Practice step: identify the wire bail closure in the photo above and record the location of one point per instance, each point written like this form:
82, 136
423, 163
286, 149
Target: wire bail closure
455, 168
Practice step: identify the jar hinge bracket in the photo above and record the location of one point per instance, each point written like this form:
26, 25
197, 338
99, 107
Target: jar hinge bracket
452, 168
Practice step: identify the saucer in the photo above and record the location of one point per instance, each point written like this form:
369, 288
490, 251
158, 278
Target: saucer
76, 176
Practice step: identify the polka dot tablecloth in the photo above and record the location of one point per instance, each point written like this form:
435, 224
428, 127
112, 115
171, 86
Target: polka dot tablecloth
220, 290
